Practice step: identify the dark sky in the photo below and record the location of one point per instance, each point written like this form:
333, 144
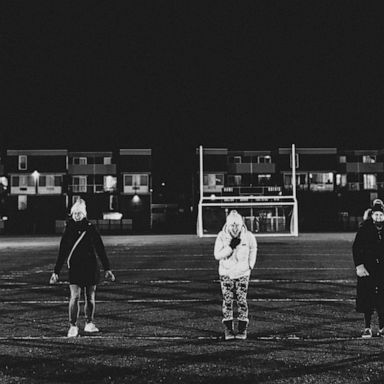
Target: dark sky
171, 75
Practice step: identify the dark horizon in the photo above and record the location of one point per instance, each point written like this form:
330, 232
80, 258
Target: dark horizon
173, 76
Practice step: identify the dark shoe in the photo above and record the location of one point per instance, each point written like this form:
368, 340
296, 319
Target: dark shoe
242, 330
228, 330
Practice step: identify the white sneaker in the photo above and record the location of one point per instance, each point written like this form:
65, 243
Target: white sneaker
90, 327
73, 331
367, 333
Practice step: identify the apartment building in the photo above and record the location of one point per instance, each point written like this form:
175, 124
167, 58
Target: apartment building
36, 189
135, 187
227, 172
334, 186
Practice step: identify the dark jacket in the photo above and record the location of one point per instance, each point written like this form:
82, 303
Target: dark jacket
368, 249
83, 264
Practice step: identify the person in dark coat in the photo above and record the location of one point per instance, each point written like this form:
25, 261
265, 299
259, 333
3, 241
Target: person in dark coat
368, 256
79, 246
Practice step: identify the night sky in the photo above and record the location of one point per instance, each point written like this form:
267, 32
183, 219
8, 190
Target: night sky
171, 75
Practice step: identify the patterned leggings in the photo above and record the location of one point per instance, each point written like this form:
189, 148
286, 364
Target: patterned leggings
229, 288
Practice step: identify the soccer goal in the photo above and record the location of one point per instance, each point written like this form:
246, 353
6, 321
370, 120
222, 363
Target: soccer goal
264, 214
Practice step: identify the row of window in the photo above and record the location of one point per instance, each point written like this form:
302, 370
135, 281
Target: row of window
79, 183
268, 159
106, 160
324, 180
22, 202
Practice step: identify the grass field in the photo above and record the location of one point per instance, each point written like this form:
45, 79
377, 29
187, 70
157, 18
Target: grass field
160, 321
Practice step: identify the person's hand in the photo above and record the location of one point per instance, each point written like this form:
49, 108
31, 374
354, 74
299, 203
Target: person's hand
54, 278
234, 242
109, 275
361, 271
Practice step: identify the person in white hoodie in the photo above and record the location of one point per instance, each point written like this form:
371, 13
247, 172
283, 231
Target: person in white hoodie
236, 250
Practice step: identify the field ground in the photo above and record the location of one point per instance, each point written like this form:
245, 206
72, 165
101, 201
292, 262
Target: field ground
160, 321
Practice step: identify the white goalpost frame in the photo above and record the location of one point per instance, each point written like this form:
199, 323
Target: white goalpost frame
246, 200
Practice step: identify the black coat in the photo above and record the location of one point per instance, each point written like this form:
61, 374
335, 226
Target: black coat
83, 264
368, 249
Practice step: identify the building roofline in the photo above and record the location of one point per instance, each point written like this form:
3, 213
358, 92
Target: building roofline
309, 150
37, 152
90, 153
136, 151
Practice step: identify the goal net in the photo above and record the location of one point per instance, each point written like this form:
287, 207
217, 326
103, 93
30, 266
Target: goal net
263, 215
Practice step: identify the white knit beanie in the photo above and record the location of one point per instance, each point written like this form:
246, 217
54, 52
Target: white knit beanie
79, 206
234, 217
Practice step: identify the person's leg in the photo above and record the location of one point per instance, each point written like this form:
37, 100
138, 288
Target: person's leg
90, 302
367, 319
89, 308
241, 287
227, 286
367, 324
381, 319
74, 306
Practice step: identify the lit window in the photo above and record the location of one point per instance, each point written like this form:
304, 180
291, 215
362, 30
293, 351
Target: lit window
369, 159
128, 180
213, 179
22, 202
321, 178
264, 159
235, 159
22, 162
107, 160
341, 180
79, 183
80, 160
234, 180
109, 183
136, 180
264, 179
342, 159
369, 181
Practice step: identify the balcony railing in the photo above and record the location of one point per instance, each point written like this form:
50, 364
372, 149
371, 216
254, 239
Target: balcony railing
356, 186
89, 188
257, 190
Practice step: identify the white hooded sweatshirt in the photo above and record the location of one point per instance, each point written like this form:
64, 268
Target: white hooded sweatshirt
237, 262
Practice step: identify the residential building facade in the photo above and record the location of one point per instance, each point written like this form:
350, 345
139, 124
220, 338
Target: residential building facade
38, 187
333, 186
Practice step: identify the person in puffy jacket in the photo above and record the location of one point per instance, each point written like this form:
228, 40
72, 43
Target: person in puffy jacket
79, 246
368, 257
236, 250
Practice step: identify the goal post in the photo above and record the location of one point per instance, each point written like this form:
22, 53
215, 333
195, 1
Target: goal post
264, 214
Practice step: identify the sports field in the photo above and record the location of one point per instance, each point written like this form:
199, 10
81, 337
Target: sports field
160, 321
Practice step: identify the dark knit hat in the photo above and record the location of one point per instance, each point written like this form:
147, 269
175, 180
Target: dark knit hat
377, 208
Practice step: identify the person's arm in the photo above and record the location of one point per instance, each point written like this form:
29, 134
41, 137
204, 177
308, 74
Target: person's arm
63, 254
100, 250
222, 249
252, 250
359, 254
